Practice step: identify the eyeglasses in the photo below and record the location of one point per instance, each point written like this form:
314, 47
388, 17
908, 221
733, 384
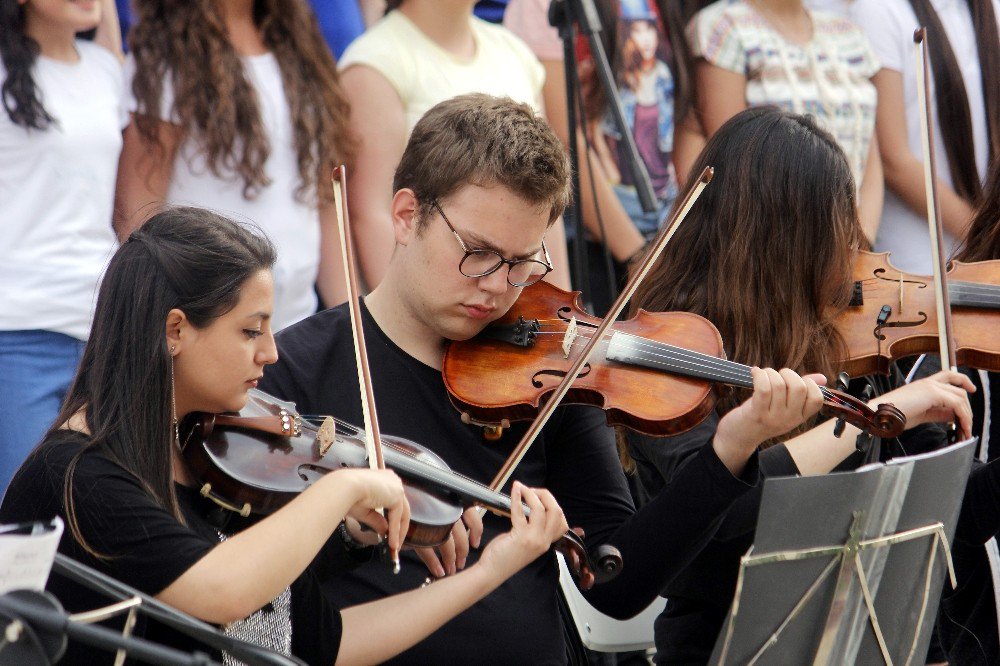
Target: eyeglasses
480, 263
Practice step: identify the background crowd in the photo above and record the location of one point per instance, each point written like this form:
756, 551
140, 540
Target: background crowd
112, 113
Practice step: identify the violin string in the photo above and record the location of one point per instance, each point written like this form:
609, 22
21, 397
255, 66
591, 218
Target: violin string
442, 475
988, 294
695, 360
679, 359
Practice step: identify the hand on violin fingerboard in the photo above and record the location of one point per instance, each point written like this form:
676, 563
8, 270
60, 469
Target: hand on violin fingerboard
449, 557
780, 401
941, 398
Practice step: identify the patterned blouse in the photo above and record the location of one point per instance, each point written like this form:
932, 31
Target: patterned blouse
829, 77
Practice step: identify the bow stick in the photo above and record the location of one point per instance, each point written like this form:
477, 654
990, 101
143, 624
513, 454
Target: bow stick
373, 438
945, 340
503, 476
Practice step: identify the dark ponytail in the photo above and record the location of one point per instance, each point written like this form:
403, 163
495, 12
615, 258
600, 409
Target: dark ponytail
19, 52
952, 103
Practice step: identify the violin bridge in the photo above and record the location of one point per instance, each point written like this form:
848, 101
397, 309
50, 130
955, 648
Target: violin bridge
571, 333
326, 435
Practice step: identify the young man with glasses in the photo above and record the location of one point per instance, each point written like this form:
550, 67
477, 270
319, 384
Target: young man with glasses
479, 184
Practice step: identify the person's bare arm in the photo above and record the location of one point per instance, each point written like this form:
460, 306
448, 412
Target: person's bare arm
721, 95
689, 139
904, 171
109, 33
623, 238
939, 398
871, 193
415, 614
144, 173
251, 568
378, 122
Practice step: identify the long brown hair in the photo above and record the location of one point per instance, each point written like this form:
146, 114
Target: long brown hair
214, 101
767, 249
18, 53
952, 103
185, 258
982, 241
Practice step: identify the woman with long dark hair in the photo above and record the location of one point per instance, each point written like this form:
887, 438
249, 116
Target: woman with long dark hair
236, 106
765, 254
962, 39
183, 325
60, 136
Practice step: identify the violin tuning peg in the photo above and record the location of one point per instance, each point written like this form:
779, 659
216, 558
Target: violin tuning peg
838, 427
868, 393
843, 379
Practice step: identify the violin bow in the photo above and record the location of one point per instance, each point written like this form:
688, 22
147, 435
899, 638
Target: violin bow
945, 341
503, 476
373, 437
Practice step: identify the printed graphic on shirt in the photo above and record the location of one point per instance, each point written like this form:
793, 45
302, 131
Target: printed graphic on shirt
646, 88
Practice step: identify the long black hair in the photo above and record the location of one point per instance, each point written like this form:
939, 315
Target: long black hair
185, 258
19, 52
952, 102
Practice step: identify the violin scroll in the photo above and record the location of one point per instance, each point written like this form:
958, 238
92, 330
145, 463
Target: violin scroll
885, 421
598, 566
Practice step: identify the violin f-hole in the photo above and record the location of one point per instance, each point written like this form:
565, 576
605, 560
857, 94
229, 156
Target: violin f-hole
536, 379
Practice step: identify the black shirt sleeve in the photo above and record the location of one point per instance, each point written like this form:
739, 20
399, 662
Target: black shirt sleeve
144, 544
660, 539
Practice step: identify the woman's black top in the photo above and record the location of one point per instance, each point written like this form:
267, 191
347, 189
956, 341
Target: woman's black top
146, 546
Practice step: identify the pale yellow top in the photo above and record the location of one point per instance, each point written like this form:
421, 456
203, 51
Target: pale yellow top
424, 74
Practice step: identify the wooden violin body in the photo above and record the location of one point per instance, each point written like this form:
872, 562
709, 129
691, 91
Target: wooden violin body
494, 378
653, 373
259, 460
892, 315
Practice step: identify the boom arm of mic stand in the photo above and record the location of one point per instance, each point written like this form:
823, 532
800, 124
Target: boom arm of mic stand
587, 18
161, 612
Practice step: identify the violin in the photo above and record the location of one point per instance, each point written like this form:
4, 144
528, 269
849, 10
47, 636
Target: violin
892, 315
652, 373
260, 459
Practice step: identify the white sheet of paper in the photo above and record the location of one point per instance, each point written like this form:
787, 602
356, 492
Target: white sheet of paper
27, 553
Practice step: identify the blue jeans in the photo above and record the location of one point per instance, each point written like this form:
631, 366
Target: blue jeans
36, 369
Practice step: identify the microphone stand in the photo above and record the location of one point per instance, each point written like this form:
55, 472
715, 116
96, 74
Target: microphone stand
565, 15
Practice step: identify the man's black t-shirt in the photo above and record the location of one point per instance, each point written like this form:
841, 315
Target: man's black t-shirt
147, 547
575, 458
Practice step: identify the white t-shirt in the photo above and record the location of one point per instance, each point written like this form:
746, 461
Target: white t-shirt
829, 77
57, 189
890, 25
292, 225
424, 74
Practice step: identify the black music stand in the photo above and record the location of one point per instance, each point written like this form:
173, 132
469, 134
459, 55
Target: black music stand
36, 628
848, 568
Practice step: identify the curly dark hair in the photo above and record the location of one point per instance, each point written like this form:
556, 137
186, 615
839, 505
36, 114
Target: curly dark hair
19, 52
214, 100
